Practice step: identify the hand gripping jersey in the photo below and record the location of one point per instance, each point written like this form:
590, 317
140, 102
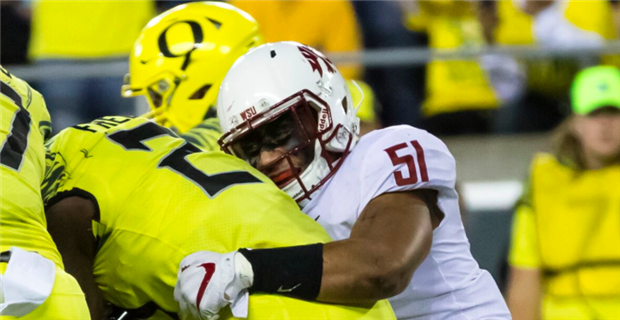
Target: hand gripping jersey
51, 293
448, 284
159, 200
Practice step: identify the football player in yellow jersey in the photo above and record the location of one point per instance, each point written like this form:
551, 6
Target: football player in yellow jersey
33, 284
145, 199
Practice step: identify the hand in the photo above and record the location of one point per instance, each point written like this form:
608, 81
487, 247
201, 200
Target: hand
208, 281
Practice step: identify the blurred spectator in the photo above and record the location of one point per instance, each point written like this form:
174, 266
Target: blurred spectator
80, 32
15, 30
551, 24
571, 24
460, 97
615, 12
399, 89
328, 26
565, 252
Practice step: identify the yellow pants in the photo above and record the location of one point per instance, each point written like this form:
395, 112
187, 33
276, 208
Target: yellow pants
66, 302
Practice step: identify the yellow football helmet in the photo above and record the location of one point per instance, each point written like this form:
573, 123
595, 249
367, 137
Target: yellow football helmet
182, 56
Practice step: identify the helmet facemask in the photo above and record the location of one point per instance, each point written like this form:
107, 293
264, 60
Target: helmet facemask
297, 132
158, 95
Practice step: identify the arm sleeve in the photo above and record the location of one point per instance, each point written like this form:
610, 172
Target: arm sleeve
524, 249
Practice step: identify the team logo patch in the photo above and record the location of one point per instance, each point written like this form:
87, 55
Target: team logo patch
248, 113
313, 58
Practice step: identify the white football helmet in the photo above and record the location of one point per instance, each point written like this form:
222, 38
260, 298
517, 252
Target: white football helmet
288, 80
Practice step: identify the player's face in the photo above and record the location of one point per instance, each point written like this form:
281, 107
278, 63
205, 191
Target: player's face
281, 149
599, 133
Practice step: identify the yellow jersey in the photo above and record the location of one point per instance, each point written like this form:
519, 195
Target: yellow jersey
159, 199
568, 226
24, 125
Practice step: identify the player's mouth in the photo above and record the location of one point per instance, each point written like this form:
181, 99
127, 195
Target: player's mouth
285, 177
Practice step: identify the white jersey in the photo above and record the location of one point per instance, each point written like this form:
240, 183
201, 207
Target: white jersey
449, 283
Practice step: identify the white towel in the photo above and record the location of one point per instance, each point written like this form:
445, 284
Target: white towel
27, 282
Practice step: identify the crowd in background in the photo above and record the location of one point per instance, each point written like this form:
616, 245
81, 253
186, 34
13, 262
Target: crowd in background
489, 94
492, 93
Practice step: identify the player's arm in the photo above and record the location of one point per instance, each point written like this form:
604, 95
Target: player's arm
388, 242
69, 221
391, 238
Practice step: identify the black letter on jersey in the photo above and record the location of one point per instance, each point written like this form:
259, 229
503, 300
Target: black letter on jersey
212, 185
12, 151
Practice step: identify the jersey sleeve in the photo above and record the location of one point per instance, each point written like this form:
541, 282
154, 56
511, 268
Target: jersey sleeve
205, 135
64, 152
406, 158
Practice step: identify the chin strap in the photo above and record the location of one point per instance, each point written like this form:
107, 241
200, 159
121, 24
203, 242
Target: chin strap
359, 89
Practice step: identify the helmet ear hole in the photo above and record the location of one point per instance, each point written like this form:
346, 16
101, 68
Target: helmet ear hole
344, 104
200, 93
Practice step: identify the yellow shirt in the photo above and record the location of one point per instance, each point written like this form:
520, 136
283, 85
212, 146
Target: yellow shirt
454, 85
568, 225
329, 26
24, 125
86, 29
159, 199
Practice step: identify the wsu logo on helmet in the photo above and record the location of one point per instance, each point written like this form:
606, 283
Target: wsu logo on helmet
248, 113
313, 58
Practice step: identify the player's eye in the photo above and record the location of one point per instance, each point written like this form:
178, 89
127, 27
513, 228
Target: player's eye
278, 133
248, 148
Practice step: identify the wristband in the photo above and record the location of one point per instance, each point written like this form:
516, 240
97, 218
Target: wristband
292, 271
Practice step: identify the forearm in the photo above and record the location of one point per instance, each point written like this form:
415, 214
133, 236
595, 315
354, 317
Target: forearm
363, 271
353, 272
84, 276
69, 224
378, 260
524, 295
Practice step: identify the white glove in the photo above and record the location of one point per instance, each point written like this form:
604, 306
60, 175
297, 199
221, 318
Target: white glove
208, 281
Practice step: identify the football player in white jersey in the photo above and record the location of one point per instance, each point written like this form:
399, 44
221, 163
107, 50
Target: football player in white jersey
388, 199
